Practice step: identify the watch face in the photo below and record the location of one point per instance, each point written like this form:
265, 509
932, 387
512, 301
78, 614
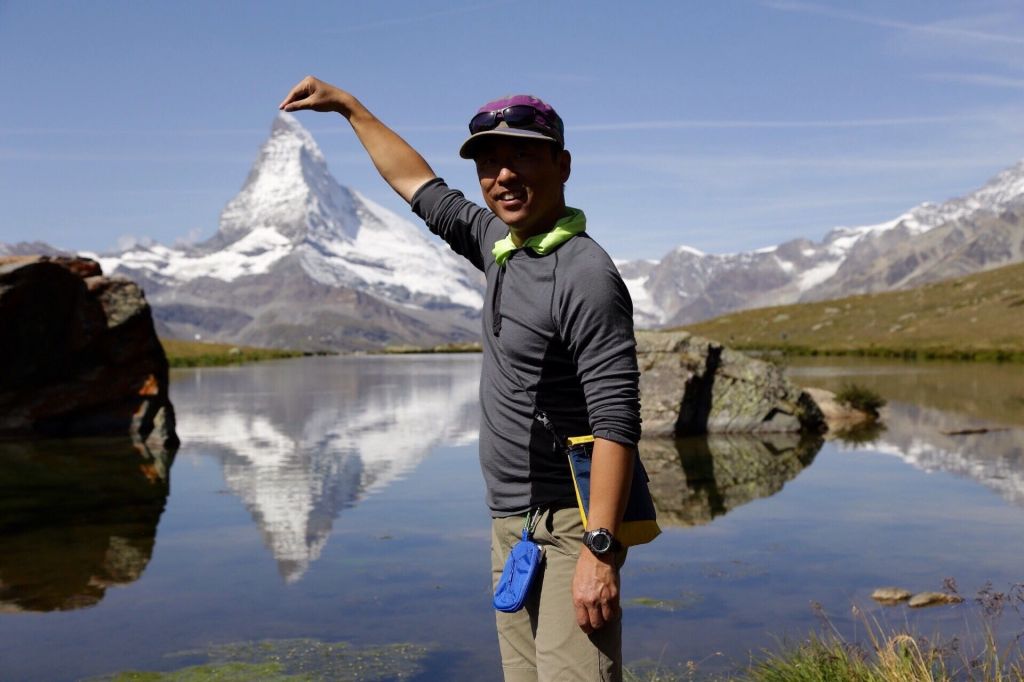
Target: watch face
600, 542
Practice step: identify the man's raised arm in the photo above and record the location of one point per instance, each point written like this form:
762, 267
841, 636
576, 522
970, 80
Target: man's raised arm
399, 164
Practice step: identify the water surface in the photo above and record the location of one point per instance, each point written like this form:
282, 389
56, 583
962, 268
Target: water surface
339, 499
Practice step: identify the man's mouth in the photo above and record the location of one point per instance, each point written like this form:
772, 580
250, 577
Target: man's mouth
512, 196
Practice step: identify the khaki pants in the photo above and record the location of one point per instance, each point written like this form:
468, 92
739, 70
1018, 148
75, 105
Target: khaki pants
542, 642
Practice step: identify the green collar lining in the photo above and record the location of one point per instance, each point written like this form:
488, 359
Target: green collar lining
567, 227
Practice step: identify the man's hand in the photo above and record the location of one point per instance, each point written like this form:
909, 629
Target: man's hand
398, 163
595, 591
313, 93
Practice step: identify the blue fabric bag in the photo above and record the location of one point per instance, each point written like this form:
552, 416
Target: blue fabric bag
517, 577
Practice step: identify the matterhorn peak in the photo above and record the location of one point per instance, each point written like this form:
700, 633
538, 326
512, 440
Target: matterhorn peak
290, 191
288, 133
287, 122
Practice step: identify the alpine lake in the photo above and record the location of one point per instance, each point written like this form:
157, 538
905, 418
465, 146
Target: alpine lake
324, 519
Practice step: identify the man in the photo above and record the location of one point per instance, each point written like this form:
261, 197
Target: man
558, 339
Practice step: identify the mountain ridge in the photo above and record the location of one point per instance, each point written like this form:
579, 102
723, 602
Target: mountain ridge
928, 243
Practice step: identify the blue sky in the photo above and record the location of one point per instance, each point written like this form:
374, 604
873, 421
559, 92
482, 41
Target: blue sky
725, 126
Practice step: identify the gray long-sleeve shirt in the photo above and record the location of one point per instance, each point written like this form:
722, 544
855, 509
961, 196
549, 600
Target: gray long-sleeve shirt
566, 337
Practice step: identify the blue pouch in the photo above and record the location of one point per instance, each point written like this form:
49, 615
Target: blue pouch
517, 577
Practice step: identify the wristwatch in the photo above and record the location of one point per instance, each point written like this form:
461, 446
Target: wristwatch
601, 541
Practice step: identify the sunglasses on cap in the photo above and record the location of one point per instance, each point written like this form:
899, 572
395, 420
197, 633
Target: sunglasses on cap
516, 116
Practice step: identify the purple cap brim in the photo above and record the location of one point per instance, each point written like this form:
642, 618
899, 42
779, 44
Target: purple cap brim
465, 151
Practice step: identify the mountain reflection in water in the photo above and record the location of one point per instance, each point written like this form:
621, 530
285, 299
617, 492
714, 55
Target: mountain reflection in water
298, 447
934, 440
694, 480
76, 517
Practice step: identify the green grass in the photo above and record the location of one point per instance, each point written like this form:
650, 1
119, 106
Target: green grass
895, 657
197, 354
289, 660
881, 654
979, 317
462, 347
222, 672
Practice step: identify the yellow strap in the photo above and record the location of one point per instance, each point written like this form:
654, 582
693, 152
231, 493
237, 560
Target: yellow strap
578, 440
579, 502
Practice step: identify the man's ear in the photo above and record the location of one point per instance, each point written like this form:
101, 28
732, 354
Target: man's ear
564, 164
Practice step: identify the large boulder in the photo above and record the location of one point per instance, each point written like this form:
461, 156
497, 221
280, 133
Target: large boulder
79, 355
691, 386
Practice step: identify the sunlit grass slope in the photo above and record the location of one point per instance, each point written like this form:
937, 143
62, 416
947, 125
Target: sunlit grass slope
198, 354
980, 317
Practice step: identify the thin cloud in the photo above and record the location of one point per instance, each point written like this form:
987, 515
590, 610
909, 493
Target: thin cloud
795, 202
208, 132
933, 29
982, 79
746, 162
100, 132
693, 124
401, 21
680, 124
141, 192
31, 155
565, 78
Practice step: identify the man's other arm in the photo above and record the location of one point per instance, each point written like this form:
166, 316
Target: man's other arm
398, 163
595, 317
595, 585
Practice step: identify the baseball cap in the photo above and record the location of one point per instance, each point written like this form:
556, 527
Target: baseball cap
523, 116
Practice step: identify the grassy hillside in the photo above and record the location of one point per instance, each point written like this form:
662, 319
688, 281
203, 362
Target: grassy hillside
197, 354
980, 316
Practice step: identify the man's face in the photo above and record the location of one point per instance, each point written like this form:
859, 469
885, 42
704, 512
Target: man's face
521, 181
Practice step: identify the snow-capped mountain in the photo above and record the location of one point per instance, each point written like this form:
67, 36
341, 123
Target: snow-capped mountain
302, 261
928, 243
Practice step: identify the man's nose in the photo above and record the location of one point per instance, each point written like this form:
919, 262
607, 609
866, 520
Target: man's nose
506, 173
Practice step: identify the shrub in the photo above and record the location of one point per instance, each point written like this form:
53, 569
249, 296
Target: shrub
860, 398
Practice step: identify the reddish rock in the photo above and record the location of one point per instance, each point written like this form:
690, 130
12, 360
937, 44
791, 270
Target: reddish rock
79, 354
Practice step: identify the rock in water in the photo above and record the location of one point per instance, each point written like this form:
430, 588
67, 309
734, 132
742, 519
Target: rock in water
79, 354
923, 599
890, 595
692, 386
